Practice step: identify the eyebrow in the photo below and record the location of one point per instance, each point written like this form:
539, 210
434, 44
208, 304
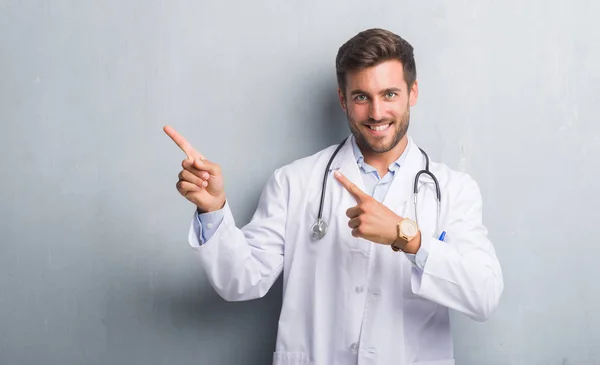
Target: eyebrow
391, 89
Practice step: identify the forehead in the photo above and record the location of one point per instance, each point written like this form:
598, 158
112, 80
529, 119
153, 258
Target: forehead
384, 75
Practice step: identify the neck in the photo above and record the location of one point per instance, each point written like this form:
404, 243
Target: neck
381, 161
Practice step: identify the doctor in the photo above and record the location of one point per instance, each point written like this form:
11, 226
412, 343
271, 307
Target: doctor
378, 286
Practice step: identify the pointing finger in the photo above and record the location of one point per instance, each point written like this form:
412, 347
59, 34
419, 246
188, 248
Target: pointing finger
185, 146
354, 190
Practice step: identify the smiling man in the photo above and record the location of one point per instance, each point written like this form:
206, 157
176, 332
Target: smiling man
370, 271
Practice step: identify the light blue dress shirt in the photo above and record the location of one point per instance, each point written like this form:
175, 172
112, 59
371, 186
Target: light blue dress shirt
207, 223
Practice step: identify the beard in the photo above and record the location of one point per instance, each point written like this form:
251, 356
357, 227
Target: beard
379, 145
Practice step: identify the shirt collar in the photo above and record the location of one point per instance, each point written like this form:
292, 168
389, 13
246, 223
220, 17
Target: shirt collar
360, 159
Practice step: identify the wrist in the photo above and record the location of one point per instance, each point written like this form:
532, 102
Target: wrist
213, 208
408, 238
412, 246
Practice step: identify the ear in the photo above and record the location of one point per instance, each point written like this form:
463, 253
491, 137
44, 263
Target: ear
414, 93
342, 99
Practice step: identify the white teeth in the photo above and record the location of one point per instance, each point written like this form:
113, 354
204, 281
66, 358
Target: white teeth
379, 128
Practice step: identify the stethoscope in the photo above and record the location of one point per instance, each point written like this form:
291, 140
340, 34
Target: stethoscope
319, 228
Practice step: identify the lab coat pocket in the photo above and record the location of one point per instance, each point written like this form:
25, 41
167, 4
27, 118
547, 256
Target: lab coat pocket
290, 358
439, 362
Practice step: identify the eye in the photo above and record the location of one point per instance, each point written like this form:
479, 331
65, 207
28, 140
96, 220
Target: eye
390, 95
360, 97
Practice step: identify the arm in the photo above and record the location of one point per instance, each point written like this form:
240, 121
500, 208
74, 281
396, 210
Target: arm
243, 264
463, 273
240, 264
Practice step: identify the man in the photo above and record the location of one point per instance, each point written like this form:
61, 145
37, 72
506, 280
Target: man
376, 288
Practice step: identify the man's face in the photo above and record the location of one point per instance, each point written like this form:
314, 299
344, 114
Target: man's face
377, 103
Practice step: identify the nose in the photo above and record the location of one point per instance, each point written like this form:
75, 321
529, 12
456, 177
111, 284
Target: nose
375, 110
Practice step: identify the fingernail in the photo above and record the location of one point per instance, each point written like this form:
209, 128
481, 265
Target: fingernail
336, 173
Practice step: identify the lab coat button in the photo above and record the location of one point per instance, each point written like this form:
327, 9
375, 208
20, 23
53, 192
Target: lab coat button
371, 350
359, 289
375, 293
354, 347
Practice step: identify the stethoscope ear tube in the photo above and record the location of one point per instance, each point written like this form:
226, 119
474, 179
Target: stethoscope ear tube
319, 228
324, 187
438, 193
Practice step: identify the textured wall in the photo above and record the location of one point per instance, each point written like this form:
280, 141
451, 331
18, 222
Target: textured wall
94, 263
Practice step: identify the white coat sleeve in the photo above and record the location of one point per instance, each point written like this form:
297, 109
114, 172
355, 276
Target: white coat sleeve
242, 264
462, 273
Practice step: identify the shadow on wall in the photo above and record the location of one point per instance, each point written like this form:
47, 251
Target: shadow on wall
190, 323
322, 125
331, 114
191, 310
227, 328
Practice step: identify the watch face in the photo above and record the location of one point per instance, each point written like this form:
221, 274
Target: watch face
409, 228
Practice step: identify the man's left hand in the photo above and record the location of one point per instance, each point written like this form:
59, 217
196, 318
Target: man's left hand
372, 220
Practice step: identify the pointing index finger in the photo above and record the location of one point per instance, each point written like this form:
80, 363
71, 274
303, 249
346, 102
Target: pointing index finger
185, 146
348, 185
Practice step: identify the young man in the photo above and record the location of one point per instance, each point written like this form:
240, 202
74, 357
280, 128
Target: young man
377, 286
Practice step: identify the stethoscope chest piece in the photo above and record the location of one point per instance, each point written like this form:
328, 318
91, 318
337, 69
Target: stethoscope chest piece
319, 229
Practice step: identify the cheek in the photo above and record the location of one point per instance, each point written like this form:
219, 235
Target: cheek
398, 109
358, 112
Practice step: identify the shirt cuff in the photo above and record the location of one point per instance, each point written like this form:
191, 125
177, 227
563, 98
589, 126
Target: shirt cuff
411, 257
206, 224
423, 253
420, 258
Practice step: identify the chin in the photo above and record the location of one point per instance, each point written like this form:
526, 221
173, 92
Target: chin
386, 142
378, 142
379, 145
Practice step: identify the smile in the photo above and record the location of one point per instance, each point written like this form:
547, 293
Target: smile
380, 127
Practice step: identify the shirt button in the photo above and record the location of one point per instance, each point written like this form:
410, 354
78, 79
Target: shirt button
209, 225
359, 289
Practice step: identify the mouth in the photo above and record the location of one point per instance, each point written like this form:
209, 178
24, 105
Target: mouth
378, 129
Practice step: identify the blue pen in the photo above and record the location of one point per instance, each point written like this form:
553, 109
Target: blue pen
442, 236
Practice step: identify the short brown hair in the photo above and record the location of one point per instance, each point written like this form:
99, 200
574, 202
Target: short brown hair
370, 47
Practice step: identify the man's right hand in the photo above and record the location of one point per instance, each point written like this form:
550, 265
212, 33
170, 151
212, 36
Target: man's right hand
200, 181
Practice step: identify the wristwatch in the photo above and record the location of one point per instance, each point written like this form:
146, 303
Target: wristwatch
407, 230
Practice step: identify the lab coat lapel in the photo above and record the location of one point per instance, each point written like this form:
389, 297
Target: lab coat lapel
402, 187
345, 162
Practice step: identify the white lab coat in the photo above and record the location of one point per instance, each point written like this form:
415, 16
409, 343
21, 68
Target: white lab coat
347, 300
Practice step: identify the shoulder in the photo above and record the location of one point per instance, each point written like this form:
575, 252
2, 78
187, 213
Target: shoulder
458, 184
305, 165
452, 181
301, 170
